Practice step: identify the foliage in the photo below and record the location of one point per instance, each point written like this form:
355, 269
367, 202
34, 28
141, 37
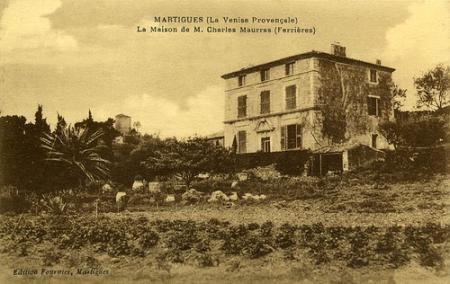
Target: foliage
21, 159
392, 131
292, 163
424, 131
106, 127
286, 162
343, 100
129, 159
187, 159
54, 205
11, 200
79, 151
433, 88
393, 246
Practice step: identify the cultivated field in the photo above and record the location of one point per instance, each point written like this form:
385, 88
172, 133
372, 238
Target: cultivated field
341, 231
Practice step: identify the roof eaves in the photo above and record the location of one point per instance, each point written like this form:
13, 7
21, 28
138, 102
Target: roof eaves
304, 56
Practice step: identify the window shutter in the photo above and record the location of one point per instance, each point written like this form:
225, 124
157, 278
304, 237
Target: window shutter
283, 138
299, 136
379, 107
291, 100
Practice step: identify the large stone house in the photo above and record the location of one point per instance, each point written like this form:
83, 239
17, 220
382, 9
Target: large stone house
324, 102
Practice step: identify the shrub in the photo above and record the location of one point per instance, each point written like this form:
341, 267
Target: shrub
285, 237
266, 229
172, 255
182, 240
148, 239
11, 200
430, 257
204, 260
291, 162
51, 258
255, 247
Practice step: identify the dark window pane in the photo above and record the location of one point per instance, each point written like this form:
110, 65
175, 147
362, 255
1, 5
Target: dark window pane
241, 80
265, 75
265, 144
374, 140
373, 75
242, 141
289, 69
292, 136
265, 102
372, 105
242, 106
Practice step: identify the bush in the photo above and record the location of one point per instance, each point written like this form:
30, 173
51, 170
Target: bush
286, 162
11, 200
285, 236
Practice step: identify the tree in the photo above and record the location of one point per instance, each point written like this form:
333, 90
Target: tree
60, 124
107, 126
78, 150
397, 96
421, 131
129, 158
392, 131
14, 150
187, 159
433, 88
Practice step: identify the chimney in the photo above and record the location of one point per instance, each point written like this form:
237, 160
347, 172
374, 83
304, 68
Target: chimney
337, 49
378, 61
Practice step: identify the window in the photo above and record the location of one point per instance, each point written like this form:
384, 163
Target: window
265, 144
374, 140
242, 142
291, 137
291, 97
242, 106
290, 68
265, 102
373, 104
373, 75
265, 74
241, 80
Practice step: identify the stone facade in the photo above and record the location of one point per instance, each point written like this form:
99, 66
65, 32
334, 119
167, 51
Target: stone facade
330, 105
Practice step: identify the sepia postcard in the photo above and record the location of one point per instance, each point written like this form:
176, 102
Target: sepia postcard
243, 141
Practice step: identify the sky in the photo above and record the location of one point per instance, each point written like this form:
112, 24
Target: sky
75, 55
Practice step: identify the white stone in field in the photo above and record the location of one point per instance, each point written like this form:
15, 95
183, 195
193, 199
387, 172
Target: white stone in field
137, 185
120, 195
170, 198
247, 196
233, 196
107, 187
218, 196
234, 184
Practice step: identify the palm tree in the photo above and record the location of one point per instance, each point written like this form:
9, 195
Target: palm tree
79, 150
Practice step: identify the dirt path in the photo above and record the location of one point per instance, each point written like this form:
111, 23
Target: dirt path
296, 212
